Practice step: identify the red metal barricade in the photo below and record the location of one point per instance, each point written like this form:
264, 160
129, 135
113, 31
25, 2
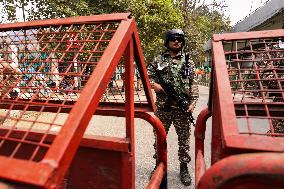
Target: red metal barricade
246, 102
55, 76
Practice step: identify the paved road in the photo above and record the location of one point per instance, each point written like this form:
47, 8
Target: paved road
144, 139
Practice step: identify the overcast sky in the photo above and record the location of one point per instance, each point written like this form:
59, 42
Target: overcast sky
239, 9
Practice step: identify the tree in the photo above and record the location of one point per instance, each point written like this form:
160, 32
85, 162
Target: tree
202, 21
9, 7
153, 17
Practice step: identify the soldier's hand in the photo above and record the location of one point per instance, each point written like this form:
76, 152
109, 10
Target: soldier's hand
190, 108
158, 88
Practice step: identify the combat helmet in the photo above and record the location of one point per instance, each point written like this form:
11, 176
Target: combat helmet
173, 33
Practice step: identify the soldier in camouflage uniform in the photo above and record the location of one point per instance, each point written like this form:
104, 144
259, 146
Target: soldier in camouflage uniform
173, 66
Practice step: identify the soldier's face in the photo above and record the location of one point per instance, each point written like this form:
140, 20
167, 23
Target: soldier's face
175, 44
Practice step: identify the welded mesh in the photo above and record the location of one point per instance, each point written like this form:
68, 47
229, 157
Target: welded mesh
115, 92
43, 71
256, 73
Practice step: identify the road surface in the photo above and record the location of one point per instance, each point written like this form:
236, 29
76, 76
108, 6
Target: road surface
144, 139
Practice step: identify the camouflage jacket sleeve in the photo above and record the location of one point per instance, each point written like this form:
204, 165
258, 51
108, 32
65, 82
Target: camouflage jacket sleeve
151, 72
194, 91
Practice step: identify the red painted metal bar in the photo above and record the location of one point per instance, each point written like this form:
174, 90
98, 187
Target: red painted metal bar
199, 133
257, 142
145, 79
129, 178
246, 102
129, 88
66, 21
161, 136
38, 176
217, 133
104, 142
255, 170
85, 107
153, 120
261, 53
248, 35
157, 177
227, 113
223, 115
100, 44
66, 108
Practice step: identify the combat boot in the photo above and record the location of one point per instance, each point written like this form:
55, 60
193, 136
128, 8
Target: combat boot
185, 177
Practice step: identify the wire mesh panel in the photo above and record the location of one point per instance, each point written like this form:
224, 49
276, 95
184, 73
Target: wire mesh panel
46, 68
115, 92
246, 102
254, 65
256, 73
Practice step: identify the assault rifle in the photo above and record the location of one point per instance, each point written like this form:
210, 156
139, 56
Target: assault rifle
174, 94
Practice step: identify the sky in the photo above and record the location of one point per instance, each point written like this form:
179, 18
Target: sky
237, 10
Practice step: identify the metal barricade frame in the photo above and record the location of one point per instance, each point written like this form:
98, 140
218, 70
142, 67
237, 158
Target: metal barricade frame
246, 88
82, 70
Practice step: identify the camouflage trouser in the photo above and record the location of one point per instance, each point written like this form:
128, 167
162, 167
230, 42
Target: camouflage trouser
182, 127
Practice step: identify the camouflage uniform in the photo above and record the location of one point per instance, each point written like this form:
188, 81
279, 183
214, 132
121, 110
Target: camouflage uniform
172, 69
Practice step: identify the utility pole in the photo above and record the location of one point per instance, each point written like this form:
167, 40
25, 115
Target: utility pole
24, 18
23, 10
24, 51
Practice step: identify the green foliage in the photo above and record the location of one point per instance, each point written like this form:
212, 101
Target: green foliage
202, 21
153, 17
